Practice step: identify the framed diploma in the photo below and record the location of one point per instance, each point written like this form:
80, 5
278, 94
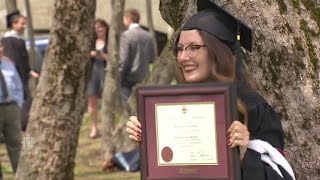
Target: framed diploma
184, 132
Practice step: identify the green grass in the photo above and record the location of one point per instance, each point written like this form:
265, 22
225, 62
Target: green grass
89, 159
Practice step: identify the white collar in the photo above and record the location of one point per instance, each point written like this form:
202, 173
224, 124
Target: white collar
12, 33
133, 25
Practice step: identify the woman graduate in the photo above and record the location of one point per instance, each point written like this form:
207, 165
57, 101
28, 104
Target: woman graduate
206, 50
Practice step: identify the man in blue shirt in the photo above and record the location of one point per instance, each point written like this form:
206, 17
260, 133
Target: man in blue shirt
11, 100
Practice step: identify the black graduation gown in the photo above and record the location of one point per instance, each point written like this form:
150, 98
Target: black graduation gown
15, 49
264, 124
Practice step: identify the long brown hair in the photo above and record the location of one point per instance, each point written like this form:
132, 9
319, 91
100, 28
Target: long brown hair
104, 24
223, 65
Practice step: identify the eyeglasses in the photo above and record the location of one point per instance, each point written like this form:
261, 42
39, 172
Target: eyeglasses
191, 50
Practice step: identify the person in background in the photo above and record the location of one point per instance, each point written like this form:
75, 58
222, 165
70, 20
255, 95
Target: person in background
95, 85
205, 52
11, 100
15, 49
136, 52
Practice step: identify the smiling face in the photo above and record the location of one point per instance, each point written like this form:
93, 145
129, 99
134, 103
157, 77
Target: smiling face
197, 67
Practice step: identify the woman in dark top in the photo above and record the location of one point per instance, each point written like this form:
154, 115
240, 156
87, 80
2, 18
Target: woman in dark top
205, 52
95, 85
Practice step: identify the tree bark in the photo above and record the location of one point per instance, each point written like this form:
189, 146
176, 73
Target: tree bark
112, 107
175, 12
30, 35
32, 53
150, 25
49, 147
11, 6
283, 66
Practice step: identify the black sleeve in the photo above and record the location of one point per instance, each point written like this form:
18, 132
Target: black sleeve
24, 57
8, 49
264, 124
15, 50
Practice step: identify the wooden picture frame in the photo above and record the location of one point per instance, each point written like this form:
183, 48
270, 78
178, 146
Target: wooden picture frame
175, 120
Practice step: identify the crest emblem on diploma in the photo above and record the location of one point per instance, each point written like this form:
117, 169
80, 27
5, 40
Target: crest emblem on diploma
184, 109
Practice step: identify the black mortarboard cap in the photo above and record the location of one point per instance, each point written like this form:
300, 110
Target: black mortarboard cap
10, 18
214, 20
218, 22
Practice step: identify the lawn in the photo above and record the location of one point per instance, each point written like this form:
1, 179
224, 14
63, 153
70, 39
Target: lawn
88, 160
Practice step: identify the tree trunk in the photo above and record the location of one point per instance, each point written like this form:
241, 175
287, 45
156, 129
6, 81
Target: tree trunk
163, 73
114, 119
175, 12
150, 25
49, 147
11, 6
284, 67
30, 35
112, 107
32, 53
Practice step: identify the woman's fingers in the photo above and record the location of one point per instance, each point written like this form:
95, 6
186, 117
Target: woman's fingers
239, 139
134, 138
134, 124
133, 134
238, 135
134, 128
237, 126
135, 121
